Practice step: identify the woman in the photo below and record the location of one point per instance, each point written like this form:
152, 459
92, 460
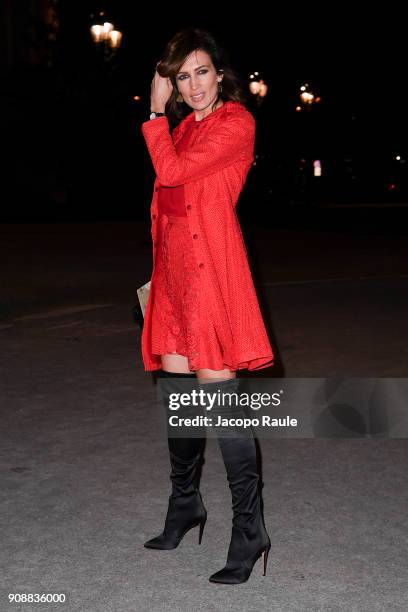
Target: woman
202, 318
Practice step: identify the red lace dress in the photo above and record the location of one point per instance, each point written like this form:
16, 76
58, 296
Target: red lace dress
175, 310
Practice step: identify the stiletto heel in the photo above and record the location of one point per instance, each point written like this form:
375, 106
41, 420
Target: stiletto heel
265, 559
202, 524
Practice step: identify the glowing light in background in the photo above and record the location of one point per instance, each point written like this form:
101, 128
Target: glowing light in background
317, 167
106, 34
257, 87
307, 98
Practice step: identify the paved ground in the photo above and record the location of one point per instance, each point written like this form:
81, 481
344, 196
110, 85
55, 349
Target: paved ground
85, 473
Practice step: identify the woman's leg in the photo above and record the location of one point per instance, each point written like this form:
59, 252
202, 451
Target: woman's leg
177, 365
185, 508
249, 538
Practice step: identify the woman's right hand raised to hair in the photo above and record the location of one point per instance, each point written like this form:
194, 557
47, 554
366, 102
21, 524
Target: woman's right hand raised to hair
160, 92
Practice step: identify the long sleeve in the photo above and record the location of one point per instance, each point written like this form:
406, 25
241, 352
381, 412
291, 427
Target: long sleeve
225, 143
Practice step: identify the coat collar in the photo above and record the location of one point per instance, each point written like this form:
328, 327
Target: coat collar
218, 111
227, 107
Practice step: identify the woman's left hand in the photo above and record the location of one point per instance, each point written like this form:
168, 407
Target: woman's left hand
160, 92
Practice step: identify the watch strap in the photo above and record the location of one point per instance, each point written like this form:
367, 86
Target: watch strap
153, 115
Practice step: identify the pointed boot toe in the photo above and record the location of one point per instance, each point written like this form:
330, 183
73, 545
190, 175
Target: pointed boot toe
225, 576
161, 542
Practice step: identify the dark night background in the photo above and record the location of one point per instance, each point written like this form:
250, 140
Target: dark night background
72, 147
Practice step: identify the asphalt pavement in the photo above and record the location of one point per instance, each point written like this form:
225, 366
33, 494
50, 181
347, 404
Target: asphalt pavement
85, 473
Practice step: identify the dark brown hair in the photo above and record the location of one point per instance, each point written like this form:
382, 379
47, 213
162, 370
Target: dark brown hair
178, 49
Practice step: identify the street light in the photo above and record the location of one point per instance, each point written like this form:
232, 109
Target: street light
257, 87
310, 171
106, 37
307, 98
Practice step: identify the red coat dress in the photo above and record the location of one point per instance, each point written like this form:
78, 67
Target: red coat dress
213, 172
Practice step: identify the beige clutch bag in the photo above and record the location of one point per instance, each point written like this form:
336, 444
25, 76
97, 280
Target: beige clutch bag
143, 295
139, 308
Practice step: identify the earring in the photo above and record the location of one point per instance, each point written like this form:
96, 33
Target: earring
179, 98
219, 87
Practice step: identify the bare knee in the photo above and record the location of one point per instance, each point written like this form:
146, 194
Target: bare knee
172, 362
206, 375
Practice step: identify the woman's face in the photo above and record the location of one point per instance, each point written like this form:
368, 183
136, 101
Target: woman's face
197, 81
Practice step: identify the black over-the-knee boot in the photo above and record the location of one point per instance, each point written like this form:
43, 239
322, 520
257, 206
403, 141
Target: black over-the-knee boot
249, 538
186, 508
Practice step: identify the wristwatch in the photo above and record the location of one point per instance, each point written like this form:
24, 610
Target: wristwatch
153, 115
